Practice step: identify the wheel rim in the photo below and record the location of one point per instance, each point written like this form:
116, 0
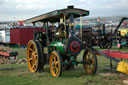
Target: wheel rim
107, 45
32, 57
91, 63
55, 66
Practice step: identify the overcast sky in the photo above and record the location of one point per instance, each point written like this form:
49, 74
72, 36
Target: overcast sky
24, 9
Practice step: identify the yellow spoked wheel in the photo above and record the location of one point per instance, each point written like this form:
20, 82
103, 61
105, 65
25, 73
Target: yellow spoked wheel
55, 63
90, 61
34, 56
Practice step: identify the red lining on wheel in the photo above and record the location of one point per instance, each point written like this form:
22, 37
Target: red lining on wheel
75, 44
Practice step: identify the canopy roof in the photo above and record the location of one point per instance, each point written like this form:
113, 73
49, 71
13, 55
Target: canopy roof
55, 16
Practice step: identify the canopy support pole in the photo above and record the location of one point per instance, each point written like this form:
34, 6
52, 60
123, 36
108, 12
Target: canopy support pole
34, 26
81, 27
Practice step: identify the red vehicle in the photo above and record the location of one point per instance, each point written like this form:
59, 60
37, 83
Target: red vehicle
21, 36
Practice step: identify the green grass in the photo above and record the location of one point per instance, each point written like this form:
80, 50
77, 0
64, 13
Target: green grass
18, 74
21, 52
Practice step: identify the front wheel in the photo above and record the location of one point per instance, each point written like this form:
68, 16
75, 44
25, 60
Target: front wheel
55, 62
90, 61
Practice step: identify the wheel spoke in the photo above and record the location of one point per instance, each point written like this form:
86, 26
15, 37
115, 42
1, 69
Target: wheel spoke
54, 58
92, 61
31, 49
56, 63
34, 65
88, 55
87, 60
34, 54
53, 67
30, 59
91, 55
57, 70
91, 67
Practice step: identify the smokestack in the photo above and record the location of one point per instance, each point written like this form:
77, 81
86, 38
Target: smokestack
70, 7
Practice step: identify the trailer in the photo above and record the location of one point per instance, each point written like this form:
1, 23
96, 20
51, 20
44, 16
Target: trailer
21, 36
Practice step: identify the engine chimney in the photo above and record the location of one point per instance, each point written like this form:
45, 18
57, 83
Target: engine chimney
70, 7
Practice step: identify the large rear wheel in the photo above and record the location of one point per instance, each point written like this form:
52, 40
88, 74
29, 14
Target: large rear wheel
55, 63
34, 56
90, 61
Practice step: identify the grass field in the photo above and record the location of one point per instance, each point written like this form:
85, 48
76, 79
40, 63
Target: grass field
18, 74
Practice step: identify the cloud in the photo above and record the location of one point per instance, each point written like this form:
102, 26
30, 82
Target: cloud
23, 9
29, 4
2, 1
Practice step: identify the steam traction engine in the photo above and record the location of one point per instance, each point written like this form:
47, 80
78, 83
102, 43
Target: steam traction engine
59, 46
